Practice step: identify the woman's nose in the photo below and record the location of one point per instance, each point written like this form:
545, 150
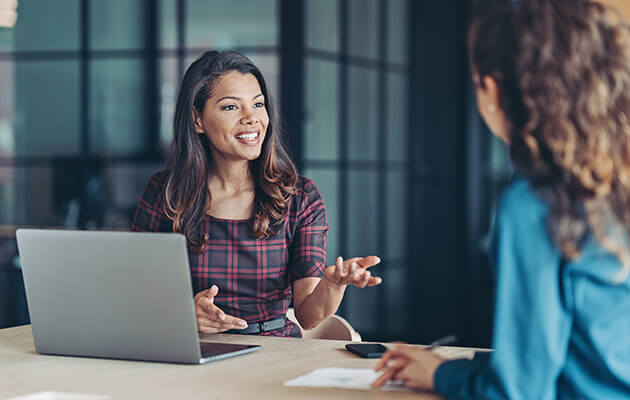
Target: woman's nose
249, 117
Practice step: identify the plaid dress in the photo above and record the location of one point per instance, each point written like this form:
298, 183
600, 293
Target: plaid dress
254, 276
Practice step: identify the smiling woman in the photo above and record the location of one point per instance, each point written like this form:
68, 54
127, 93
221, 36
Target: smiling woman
254, 227
234, 116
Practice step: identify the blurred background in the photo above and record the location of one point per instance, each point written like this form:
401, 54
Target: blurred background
376, 100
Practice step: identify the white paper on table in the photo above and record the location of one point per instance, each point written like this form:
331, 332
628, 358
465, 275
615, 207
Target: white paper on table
348, 378
61, 396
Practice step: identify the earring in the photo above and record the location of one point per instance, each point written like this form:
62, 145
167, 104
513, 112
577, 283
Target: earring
491, 108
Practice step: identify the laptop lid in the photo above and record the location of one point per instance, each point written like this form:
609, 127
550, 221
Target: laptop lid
123, 295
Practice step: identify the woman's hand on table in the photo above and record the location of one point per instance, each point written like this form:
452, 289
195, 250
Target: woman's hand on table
414, 367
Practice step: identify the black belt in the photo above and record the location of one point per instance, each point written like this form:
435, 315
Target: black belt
257, 327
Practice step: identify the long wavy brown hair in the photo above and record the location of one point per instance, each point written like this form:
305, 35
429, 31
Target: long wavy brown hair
563, 72
186, 195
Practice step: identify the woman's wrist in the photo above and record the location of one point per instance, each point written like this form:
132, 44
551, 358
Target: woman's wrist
321, 303
435, 364
328, 284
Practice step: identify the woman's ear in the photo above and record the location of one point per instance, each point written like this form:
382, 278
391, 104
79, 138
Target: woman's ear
489, 108
491, 89
198, 121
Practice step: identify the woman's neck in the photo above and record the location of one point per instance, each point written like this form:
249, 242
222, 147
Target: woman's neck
231, 177
232, 191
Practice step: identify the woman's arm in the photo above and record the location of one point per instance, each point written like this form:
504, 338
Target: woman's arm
316, 299
317, 289
532, 322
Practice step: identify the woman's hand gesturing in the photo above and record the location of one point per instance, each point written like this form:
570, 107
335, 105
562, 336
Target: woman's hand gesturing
210, 318
353, 271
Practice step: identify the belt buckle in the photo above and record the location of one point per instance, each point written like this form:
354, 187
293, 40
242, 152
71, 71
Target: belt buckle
264, 326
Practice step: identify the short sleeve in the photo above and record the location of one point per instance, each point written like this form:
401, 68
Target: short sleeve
308, 250
149, 215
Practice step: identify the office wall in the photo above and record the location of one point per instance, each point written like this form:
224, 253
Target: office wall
356, 136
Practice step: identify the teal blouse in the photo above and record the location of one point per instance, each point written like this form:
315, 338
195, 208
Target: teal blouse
561, 329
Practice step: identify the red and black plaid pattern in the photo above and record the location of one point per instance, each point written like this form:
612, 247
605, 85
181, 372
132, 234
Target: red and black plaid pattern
254, 276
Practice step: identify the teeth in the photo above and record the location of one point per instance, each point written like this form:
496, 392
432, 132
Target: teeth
248, 136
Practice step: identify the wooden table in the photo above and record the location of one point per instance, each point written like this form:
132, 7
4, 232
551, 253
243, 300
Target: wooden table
259, 375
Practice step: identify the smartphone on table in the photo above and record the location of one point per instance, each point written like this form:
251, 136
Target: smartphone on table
367, 350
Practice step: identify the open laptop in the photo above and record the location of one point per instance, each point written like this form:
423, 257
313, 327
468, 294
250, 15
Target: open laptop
114, 295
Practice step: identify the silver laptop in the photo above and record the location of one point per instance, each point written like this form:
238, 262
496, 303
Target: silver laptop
114, 295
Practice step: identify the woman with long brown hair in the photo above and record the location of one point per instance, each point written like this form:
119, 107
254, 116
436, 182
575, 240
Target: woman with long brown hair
553, 82
256, 230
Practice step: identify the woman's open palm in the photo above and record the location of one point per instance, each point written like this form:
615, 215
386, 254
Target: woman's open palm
353, 271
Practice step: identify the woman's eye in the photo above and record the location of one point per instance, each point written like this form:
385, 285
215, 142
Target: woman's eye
229, 107
259, 105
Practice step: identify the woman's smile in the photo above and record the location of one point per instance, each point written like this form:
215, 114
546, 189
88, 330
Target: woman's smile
249, 137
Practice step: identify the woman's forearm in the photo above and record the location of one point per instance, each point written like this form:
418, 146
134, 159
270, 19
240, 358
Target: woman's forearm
323, 302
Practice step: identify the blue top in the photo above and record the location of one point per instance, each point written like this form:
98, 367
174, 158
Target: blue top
561, 330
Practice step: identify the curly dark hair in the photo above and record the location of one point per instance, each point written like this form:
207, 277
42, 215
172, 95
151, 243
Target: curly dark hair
563, 72
186, 195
